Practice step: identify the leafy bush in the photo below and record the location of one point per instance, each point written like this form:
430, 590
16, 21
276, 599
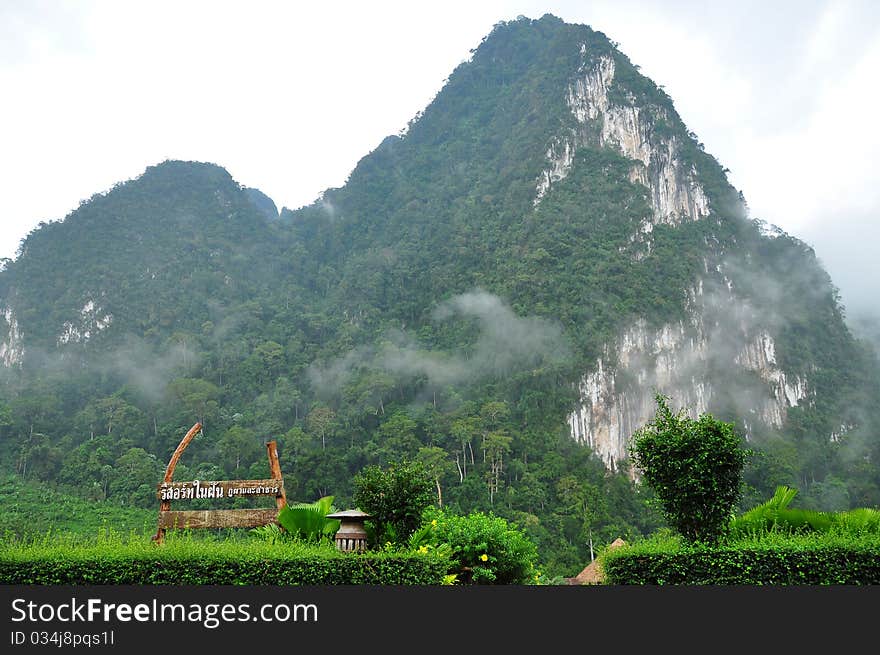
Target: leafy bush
484, 549
395, 498
694, 467
769, 544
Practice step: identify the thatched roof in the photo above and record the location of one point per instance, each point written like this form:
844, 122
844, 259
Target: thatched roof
592, 574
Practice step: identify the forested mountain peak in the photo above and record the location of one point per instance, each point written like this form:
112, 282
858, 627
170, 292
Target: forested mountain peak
112, 261
499, 290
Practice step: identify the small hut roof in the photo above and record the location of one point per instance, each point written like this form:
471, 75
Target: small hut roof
593, 573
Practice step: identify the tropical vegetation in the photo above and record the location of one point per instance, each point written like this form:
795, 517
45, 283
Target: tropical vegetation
425, 311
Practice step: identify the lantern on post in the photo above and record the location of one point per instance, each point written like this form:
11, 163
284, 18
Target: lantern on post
351, 535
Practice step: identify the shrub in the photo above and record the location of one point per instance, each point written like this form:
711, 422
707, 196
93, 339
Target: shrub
395, 498
484, 549
694, 467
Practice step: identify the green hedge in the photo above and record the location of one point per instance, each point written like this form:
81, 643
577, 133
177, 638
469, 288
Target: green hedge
773, 560
212, 563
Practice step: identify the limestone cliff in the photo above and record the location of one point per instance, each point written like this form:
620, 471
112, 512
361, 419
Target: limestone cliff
91, 320
686, 361
632, 131
11, 350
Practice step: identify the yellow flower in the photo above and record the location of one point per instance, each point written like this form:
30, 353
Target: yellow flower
423, 549
484, 557
434, 522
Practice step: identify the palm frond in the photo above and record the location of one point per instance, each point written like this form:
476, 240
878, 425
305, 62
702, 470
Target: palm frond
309, 520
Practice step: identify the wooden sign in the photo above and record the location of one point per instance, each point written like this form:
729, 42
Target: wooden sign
169, 490
217, 489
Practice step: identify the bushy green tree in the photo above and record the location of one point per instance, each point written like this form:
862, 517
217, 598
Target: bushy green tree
695, 468
395, 497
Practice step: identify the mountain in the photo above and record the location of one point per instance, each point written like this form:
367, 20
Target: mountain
499, 290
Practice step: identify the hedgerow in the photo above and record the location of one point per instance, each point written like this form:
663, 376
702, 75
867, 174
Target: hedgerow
772, 559
183, 561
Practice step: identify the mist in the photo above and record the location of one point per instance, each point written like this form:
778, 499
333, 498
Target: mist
148, 371
848, 253
727, 357
507, 343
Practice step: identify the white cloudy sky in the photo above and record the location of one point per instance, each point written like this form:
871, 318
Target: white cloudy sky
288, 96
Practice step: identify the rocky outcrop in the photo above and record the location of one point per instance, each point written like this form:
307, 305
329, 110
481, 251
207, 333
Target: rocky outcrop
680, 360
91, 320
11, 348
630, 130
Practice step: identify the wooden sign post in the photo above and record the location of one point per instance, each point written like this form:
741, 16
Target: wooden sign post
217, 518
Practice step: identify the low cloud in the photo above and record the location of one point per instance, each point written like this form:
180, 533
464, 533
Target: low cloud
148, 371
507, 343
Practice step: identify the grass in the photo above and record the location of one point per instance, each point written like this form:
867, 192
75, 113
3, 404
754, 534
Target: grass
33, 510
179, 544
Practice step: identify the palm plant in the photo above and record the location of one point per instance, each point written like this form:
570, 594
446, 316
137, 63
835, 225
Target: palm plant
775, 516
308, 521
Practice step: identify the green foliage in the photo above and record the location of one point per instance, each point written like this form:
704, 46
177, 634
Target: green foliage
770, 544
33, 509
776, 516
694, 467
772, 559
395, 497
484, 548
308, 521
190, 561
294, 327
857, 521
271, 533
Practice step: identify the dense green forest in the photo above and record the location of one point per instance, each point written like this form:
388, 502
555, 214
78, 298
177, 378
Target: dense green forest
427, 310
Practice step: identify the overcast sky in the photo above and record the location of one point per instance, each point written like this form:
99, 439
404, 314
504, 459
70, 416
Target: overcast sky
288, 96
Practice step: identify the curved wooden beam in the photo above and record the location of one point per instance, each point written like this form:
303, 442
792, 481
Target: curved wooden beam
169, 474
175, 456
